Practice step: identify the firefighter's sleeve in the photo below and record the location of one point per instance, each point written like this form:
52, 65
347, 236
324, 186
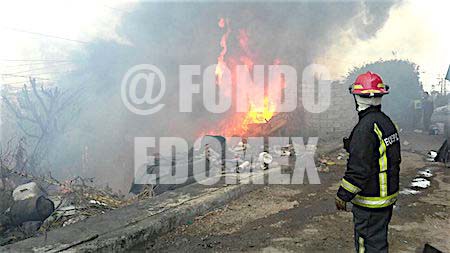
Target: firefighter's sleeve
361, 152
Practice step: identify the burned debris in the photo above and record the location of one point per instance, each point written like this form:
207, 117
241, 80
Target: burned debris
43, 203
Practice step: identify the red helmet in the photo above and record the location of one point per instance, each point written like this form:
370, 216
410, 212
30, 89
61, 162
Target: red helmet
369, 85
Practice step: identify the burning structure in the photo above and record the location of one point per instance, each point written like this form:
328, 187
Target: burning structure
259, 116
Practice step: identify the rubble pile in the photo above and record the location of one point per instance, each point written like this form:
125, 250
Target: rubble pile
244, 161
31, 206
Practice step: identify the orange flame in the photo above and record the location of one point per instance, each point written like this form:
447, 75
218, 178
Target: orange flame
258, 113
221, 64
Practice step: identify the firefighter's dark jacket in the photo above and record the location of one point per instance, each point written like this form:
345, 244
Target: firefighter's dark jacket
372, 176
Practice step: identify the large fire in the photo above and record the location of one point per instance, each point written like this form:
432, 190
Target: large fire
259, 112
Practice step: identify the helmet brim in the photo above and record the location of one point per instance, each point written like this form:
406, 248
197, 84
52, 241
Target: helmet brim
370, 93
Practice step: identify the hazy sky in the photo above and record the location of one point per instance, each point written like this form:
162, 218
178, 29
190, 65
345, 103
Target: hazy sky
416, 30
80, 21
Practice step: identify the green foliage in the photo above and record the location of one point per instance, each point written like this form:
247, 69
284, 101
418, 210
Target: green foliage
403, 79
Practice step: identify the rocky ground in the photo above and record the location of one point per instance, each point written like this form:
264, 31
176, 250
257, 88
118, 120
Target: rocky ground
302, 218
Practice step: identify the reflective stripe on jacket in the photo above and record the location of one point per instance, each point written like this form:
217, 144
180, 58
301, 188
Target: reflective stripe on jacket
372, 176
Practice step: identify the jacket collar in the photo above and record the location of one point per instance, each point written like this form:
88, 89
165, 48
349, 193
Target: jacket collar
375, 108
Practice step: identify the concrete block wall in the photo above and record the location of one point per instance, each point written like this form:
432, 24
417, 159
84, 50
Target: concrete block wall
338, 120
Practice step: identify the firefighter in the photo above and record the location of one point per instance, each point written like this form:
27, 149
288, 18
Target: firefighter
371, 181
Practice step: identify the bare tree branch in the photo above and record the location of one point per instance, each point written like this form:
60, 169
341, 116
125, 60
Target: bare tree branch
16, 111
43, 108
36, 94
33, 109
26, 131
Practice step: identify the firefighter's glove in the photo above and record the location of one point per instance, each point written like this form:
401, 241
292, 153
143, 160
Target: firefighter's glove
340, 204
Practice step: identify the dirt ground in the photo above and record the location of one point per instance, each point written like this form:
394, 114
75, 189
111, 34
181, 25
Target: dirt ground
303, 218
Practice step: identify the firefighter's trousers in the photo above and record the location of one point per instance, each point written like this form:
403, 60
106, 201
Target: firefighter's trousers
371, 229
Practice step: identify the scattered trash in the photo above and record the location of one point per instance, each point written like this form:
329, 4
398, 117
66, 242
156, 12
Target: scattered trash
74, 220
240, 147
417, 131
323, 168
431, 155
408, 191
27, 211
420, 183
287, 150
323, 160
96, 202
31, 209
434, 130
244, 165
341, 156
265, 159
425, 173
285, 153
406, 143
67, 210
26, 191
